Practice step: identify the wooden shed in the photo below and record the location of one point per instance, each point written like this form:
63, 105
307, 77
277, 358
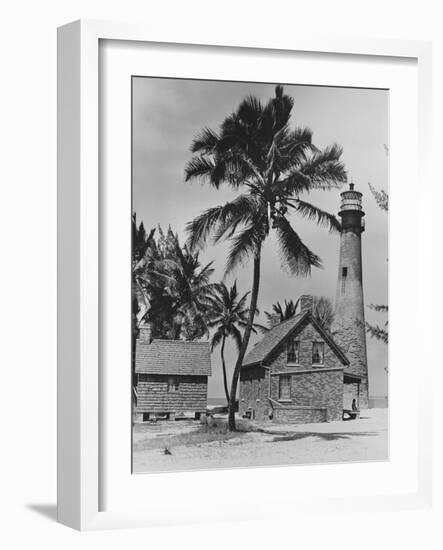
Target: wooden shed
171, 377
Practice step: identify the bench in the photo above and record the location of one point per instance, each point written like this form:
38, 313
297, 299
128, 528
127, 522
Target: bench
351, 415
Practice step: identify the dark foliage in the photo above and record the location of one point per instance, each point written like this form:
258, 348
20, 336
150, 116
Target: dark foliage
171, 289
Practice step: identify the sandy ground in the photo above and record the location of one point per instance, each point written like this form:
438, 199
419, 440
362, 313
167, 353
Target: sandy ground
365, 439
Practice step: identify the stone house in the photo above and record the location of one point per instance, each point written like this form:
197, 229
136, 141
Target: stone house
170, 378
296, 373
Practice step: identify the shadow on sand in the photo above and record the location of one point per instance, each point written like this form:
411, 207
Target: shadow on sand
326, 436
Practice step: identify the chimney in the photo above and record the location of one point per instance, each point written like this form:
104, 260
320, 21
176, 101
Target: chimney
306, 303
274, 320
145, 333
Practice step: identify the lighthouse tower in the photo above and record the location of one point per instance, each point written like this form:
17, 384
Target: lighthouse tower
349, 320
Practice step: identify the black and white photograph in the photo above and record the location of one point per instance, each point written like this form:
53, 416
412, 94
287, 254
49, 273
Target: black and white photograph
259, 274
234, 255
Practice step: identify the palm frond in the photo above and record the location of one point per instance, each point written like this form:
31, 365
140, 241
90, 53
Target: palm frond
244, 244
250, 109
221, 297
321, 217
279, 91
284, 312
295, 182
281, 106
240, 136
199, 167
206, 272
212, 170
242, 302
236, 334
300, 134
216, 338
232, 293
325, 169
205, 142
295, 255
276, 115
242, 210
219, 220
295, 147
323, 311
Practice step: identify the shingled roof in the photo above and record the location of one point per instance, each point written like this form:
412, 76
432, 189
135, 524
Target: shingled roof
261, 351
271, 339
173, 357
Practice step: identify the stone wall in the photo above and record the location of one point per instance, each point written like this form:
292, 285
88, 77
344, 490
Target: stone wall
320, 389
253, 393
351, 336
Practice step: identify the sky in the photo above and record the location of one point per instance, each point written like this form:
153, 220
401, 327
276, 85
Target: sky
168, 113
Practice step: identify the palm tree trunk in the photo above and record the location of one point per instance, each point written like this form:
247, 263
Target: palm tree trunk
245, 341
225, 380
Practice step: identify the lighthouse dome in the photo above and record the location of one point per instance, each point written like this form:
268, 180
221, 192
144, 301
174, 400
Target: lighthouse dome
351, 199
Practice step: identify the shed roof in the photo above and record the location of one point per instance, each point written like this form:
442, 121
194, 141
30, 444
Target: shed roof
261, 351
173, 357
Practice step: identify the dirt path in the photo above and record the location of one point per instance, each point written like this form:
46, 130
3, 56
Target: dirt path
350, 441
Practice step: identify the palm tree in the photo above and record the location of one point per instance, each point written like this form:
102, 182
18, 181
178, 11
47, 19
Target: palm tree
142, 247
171, 287
323, 311
230, 314
185, 291
191, 289
283, 312
256, 151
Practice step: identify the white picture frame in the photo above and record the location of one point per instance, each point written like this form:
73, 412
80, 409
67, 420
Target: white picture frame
79, 208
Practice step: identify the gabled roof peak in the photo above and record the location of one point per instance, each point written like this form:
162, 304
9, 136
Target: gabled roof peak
273, 338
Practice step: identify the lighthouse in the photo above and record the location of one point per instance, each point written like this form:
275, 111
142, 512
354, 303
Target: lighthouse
348, 326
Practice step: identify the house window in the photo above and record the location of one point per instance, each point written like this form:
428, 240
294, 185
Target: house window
284, 388
293, 351
318, 350
172, 384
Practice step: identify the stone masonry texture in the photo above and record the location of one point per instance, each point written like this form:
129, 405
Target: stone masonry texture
348, 328
316, 393
253, 393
